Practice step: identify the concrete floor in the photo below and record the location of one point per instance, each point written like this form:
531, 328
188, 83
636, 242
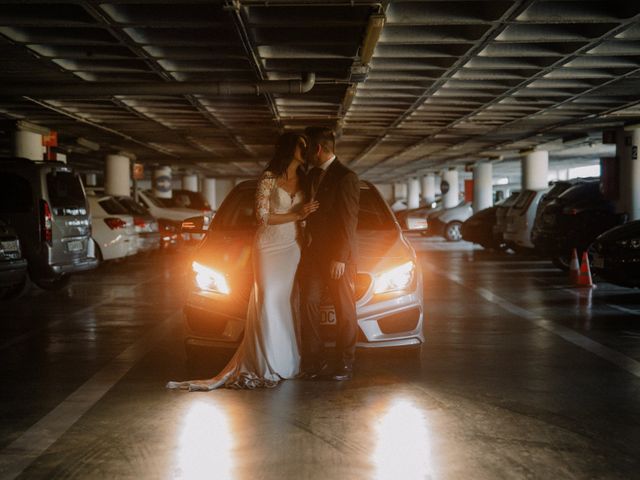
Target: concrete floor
521, 377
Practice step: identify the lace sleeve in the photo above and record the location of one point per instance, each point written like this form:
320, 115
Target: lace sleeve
266, 184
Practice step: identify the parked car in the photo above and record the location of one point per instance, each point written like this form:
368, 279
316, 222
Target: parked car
215, 313
145, 224
520, 218
13, 267
113, 228
501, 217
46, 204
415, 219
574, 220
616, 255
169, 216
447, 222
479, 228
193, 201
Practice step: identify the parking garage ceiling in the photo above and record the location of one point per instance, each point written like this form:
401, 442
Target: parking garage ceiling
411, 86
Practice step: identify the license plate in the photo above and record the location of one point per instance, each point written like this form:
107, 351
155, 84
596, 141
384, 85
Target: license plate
598, 261
9, 246
327, 316
74, 246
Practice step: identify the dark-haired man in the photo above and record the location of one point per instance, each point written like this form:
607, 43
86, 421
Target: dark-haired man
329, 257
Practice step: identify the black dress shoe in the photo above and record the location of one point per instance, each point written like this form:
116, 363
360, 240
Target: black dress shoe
343, 373
320, 371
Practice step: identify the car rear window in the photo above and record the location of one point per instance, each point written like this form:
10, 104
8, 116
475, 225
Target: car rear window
237, 212
16, 195
581, 192
65, 190
113, 207
524, 199
133, 207
187, 199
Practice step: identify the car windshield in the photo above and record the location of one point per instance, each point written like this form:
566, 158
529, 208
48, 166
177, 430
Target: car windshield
65, 190
15, 194
237, 212
113, 207
132, 207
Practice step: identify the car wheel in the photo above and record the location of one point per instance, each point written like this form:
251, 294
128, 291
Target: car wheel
52, 283
452, 232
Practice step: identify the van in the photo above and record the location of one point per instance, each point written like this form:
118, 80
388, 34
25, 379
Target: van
46, 204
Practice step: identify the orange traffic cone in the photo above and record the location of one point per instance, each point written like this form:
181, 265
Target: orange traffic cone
584, 278
574, 268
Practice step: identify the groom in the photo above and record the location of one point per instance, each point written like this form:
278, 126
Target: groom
329, 257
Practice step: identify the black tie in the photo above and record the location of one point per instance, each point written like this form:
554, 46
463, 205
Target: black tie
315, 176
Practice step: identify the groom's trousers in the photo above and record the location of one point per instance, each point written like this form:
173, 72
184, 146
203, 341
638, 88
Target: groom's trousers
315, 279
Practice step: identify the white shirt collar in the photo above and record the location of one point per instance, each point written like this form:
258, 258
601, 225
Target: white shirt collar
326, 164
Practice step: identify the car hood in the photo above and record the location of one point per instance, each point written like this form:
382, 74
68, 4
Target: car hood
231, 251
622, 232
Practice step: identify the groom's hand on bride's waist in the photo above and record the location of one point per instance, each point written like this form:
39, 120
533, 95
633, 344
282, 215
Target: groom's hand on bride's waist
337, 269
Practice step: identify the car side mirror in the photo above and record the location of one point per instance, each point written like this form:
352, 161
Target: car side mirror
193, 225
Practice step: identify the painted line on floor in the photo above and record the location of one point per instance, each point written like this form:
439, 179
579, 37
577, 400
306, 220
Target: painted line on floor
32, 333
612, 356
630, 311
16, 457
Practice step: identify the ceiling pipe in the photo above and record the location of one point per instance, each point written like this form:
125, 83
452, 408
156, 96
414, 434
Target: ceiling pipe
108, 89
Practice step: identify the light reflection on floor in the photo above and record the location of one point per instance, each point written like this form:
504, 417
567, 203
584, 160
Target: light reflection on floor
206, 443
403, 443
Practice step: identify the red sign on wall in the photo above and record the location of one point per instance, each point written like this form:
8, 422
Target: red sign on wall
50, 140
468, 190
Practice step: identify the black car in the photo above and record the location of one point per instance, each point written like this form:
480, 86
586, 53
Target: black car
13, 268
500, 224
616, 255
479, 229
574, 220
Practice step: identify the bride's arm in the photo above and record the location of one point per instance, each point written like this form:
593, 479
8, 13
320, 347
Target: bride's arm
263, 195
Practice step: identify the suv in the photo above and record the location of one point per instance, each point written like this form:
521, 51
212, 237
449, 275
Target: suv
13, 268
45, 203
520, 218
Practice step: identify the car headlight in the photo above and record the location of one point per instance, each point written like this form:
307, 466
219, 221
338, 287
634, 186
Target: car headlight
210, 280
633, 243
396, 278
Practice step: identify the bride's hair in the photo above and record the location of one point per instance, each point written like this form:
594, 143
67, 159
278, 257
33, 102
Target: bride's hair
284, 152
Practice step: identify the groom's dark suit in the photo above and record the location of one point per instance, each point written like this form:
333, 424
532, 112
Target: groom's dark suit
330, 236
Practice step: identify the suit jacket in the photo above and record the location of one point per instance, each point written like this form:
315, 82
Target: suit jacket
332, 227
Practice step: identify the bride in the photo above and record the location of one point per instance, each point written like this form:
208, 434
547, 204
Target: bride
269, 350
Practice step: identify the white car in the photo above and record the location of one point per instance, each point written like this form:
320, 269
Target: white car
447, 223
112, 228
159, 209
521, 217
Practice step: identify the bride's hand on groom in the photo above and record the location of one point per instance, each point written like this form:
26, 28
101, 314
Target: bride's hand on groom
308, 209
337, 269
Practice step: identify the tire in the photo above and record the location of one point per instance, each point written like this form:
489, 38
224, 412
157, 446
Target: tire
53, 283
452, 231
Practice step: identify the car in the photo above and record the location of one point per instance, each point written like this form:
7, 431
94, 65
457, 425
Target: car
574, 220
192, 200
615, 255
45, 203
447, 222
13, 267
169, 216
388, 286
113, 229
501, 217
520, 218
146, 226
415, 219
478, 228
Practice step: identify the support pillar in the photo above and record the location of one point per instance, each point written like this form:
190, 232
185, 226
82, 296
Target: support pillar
450, 188
413, 195
429, 188
633, 178
117, 176
223, 187
162, 186
482, 186
28, 145
190, 182
209, 192
91, 180
535, 170
399, 191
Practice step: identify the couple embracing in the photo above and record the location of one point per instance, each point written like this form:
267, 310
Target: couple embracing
306, 238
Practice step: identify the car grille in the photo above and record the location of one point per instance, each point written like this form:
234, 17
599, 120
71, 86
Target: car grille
205, 323
406, 321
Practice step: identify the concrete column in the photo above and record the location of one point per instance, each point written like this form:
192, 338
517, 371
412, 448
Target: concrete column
429, 188
223, 187
399, 191
452, 196
633, 178
162, 186
190, 182
535, 170
27, 145
117, 175
209, 191
91, 179
482, 186
413, 195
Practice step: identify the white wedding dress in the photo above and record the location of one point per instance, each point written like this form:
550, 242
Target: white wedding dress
269, 350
